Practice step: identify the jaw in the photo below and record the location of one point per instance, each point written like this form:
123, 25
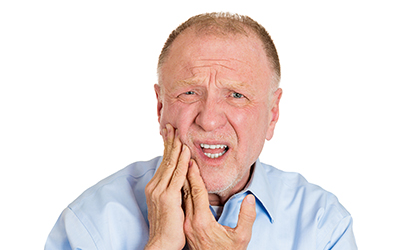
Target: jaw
222, 185
221, 175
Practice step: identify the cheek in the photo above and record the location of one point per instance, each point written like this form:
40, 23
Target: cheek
250, 126
180, 116
169, 115
248, 120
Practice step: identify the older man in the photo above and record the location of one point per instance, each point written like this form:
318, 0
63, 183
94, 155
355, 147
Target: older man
217, 100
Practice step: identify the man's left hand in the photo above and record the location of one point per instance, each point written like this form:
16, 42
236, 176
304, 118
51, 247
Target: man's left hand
201, 229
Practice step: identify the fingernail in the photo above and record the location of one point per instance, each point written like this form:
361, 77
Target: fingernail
250, 199
184, 148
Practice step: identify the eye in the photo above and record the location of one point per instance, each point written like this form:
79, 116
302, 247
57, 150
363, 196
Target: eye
237, 95
189, 96
237, 99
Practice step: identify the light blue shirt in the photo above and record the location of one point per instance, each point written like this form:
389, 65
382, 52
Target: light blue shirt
291, 213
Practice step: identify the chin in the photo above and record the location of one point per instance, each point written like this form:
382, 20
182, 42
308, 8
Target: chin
218, 178
219, 186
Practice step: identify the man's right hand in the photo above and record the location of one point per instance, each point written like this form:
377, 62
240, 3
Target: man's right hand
163, 195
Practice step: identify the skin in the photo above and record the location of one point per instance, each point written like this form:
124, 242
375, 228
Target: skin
212, 90
171, 225
163, 195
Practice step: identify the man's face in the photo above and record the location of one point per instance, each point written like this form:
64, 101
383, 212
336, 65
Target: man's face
215, 91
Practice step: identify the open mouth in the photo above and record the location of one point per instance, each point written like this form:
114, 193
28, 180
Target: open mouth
214, 151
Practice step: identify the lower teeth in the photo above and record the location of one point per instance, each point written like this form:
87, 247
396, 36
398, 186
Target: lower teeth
213, 156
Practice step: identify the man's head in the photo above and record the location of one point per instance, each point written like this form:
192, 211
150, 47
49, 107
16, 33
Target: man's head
223, 24
218, 85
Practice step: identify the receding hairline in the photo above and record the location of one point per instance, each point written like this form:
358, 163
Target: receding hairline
223, 25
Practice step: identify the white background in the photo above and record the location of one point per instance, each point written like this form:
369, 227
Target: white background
77, 102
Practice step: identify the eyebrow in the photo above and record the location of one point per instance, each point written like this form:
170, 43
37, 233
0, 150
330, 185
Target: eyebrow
226, 84
184, 83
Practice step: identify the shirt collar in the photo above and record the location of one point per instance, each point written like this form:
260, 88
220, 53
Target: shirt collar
259, 186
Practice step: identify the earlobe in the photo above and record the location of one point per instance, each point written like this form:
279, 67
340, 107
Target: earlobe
157, 89
274, 113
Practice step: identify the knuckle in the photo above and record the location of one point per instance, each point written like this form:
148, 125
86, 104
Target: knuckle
242, 238
177, 173
168, 163
157, 193
196, 191
149, 188
186, 193
152, 193
176, 146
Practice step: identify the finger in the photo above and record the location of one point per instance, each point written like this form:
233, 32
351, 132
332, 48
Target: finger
198, 190
187, 199
179, 175
247, 216
172, 151
169, 138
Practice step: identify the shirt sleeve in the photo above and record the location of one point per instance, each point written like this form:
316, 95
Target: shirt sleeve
69, 234
343, 237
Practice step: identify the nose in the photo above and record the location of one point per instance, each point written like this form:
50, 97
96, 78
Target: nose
211, 116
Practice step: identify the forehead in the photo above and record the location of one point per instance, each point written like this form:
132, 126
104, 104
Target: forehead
236, 57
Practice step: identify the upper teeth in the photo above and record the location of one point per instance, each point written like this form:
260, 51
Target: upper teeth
212, 146
209, 155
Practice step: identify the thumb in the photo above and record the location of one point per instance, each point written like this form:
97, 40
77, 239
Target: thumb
247, 216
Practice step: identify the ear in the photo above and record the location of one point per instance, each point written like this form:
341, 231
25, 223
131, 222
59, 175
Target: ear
273, 113
157, 89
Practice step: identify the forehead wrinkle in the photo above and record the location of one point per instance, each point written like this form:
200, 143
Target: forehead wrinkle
226, 84
228, 60
212, 65
217, 62
199, 80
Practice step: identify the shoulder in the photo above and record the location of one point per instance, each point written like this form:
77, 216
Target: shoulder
119, 185
292, 188
316, 216
313, 209
110, 214
290, 180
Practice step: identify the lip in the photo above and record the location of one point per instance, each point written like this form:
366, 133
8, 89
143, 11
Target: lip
211, 161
